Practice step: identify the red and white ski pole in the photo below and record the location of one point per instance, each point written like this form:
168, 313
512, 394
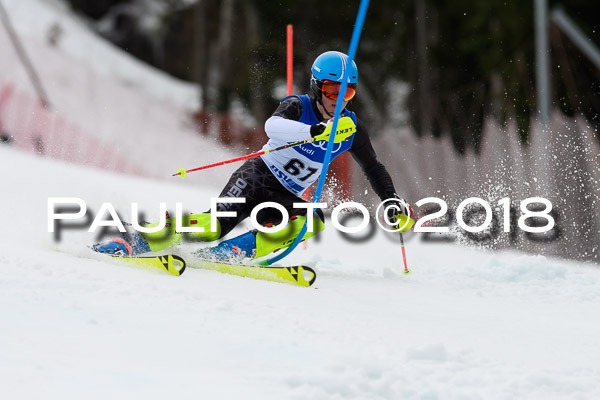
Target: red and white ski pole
182, 172
406, 270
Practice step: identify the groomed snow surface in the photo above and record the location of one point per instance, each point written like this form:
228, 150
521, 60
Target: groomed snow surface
465, 325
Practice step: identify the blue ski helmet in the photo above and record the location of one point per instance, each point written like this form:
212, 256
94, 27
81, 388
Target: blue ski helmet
331, 66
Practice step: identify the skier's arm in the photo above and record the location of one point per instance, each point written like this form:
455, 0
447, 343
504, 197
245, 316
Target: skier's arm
376, 173
285, 130
401, 214
284, 126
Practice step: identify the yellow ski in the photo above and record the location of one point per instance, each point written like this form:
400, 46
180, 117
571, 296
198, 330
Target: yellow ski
172, 264
297, 275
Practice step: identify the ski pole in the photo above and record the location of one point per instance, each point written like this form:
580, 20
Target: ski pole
406, 270
182, 172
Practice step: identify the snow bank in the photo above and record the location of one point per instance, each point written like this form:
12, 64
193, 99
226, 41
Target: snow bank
107, 109
35, 19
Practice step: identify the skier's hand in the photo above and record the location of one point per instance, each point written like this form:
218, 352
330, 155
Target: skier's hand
345, 129
400, 214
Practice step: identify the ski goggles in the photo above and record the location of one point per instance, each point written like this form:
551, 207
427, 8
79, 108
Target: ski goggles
331, 90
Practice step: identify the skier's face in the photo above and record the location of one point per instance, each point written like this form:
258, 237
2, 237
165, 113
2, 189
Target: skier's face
329, 105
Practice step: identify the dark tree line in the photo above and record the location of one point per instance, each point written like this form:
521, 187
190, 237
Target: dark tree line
463, 60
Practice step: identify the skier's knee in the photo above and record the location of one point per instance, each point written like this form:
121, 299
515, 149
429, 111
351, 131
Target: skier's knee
267, 242
170, 236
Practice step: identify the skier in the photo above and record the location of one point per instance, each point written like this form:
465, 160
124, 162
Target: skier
284, 175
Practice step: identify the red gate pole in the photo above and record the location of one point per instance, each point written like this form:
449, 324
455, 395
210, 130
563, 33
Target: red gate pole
290, 59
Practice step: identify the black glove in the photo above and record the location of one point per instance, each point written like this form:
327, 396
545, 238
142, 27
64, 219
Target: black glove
317, 129
400, 213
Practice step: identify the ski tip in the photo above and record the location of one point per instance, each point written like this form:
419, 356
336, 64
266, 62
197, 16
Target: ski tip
309, 275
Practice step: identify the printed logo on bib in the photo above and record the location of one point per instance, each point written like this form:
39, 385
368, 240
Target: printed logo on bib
323, 146
286, 180
316, 151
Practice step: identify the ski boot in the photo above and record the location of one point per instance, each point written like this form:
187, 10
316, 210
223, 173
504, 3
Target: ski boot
123, 246
236, 249
256, 244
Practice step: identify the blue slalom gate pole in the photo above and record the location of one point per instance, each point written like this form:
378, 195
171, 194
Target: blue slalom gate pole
360, 19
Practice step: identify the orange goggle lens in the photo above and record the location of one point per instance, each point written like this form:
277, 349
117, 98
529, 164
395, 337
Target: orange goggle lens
331, 90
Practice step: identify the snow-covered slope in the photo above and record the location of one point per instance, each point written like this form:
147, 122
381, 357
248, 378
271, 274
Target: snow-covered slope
465, 324
40, 19
107, 108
